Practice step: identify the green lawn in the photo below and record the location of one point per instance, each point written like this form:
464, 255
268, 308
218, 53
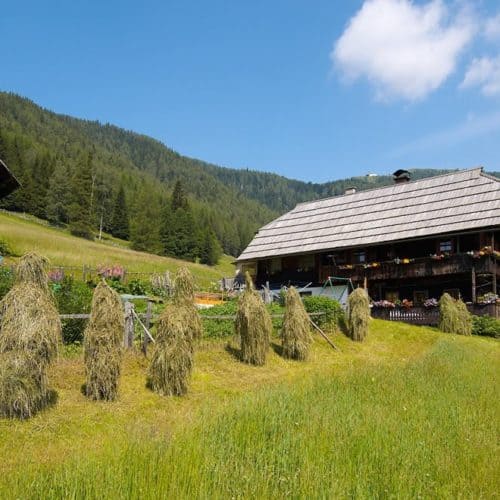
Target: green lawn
30, 234
410, 412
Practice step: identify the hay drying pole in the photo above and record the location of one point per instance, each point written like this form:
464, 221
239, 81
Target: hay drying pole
323, 334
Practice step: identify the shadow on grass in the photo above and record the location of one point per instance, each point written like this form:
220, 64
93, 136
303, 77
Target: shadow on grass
235, 352
278, 349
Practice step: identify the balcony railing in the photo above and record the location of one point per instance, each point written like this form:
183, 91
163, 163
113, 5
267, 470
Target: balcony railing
413, 268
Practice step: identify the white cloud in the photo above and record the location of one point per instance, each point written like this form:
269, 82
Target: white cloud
484, 72
492, 28
405, 50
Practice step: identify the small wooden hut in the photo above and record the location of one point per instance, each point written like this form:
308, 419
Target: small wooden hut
8, 183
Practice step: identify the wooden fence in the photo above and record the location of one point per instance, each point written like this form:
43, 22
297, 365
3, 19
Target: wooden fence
429, 316
145, 321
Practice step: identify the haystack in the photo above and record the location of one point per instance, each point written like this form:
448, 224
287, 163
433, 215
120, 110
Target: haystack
296, 333
30, 332
103, 338
23, 385
454, 316
359, 314
184, 298
30, 321
253, 326
172, 356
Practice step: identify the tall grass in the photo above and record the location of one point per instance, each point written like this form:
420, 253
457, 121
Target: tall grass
64, 249
428, 428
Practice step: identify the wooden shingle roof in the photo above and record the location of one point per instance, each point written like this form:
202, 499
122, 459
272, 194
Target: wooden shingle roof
462, 200
7, 181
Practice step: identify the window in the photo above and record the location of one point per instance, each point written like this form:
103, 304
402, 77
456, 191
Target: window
454, 292
445, 246
419, 297
359, 257
392, 295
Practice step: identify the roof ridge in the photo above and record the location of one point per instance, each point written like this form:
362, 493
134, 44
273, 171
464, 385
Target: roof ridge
453, 172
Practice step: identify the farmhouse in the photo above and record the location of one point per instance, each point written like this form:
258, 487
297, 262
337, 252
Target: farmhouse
8, 182
412, 240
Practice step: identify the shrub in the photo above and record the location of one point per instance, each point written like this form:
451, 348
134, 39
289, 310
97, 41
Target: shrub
5, 249
359, 314
72, 297
454, 316
253, 326
486, 326
218, 328
103, 344
334, 314
172, 356
296, 332
6, 280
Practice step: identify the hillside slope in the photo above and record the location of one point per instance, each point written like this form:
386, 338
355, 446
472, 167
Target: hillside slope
28, 234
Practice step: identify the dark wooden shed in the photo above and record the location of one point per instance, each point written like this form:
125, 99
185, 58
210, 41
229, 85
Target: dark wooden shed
8, 183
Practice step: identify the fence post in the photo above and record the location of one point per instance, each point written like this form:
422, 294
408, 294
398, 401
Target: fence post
149, 313
128, 334
84, 273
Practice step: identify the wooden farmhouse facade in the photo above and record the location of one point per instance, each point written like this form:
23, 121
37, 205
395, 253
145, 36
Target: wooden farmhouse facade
412, 240
8, 182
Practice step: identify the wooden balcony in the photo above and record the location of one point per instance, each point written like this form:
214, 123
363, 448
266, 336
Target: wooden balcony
415, 268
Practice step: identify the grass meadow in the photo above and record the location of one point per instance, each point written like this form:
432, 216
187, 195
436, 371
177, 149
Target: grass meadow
408, 413
26, 233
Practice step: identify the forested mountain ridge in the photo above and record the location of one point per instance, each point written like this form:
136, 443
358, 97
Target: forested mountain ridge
89, 175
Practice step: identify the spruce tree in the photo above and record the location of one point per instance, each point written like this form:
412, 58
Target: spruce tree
144, 230
179, 197
80, 209
59, 195
120, 221
210, 250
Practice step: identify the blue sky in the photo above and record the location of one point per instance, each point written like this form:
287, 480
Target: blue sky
315, 90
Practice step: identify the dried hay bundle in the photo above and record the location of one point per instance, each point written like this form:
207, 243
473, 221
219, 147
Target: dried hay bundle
172, 357
184, 299
296, 333
253, 326
359, 314
23, 385
30, 321
454, 316
103, 344
184, 286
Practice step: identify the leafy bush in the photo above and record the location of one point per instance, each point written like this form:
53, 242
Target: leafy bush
6, 280
486, 325
334, 314
220, 328
5, 249
73, 297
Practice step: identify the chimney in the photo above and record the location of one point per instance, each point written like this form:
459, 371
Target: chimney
350, 190
400, 176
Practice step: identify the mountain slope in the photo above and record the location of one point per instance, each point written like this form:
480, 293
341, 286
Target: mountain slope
233, 203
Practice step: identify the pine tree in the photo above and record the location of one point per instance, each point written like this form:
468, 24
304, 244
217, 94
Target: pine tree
80, 209
59, 195
145, 233
179, 197
210, 250
120, 221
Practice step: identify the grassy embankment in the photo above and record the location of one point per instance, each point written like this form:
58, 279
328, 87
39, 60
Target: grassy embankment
30, 234
409, 412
